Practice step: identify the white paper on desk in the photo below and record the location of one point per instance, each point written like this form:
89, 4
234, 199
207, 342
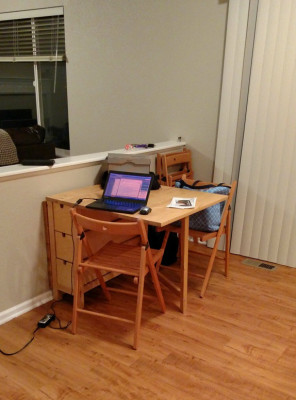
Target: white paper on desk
181, 202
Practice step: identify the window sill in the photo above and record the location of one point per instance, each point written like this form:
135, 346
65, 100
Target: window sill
18, 171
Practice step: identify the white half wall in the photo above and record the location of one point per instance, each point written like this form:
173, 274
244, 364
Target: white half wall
23, 258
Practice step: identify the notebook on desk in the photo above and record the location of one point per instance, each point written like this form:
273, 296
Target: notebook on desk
124, 192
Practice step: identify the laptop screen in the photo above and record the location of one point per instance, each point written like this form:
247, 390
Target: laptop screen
128, 185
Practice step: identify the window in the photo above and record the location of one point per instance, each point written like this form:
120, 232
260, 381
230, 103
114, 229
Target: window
33, 71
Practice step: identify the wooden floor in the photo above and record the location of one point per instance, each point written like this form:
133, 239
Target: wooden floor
239, 342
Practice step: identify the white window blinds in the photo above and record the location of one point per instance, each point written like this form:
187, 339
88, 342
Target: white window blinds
32, 39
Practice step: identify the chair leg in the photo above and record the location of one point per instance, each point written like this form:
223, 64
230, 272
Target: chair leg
152, 269
76, 300
207, 276
163, 246
139, 305
210, 267
157, 287
227, 242
103, 285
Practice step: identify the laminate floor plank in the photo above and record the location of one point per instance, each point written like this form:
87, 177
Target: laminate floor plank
237, 343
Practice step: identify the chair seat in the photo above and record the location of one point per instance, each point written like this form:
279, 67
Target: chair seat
120, 258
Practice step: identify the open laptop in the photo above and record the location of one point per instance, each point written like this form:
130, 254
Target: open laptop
124, 192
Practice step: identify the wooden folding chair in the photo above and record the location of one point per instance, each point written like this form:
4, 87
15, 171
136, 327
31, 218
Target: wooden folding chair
172, 166
120, 255
200, 237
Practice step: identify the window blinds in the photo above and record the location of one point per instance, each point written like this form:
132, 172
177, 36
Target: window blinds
32, 39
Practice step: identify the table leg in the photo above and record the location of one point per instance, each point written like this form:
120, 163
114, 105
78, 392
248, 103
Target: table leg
184, 263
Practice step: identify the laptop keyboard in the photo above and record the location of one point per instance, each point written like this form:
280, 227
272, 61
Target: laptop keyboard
119, 203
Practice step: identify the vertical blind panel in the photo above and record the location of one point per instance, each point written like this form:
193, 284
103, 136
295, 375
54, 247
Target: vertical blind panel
264, 222
232, 76
42, 36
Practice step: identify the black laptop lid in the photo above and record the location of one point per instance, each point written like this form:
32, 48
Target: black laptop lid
130, 186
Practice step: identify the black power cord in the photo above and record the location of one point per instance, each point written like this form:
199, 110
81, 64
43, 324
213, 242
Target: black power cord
84, 198
27, 344
57, 319
42, 323
48, 318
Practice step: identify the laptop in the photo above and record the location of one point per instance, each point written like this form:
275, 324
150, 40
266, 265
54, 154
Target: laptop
124, 192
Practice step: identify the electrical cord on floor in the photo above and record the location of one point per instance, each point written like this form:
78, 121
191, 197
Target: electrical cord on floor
27, 344
57, 319
45, 321
49, 318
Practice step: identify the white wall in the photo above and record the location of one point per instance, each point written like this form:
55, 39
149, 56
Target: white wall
142, 71
22, 240
148, 71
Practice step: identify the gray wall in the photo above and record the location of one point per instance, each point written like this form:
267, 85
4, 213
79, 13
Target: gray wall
23, 260
142, 71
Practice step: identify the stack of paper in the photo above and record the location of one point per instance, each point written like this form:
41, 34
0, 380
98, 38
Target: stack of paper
179, 202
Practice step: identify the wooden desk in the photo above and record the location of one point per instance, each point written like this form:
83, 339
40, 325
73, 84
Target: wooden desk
60, 227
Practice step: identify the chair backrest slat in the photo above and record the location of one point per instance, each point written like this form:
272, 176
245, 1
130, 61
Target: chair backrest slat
171, 166
109, 229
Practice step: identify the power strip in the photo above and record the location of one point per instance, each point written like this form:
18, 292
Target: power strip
46, 320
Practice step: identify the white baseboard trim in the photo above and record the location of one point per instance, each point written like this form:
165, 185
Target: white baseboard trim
24, 307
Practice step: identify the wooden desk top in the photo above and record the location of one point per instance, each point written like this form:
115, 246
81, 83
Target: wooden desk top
160, 215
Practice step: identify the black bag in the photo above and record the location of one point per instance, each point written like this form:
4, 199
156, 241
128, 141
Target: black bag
171, 250
155, 184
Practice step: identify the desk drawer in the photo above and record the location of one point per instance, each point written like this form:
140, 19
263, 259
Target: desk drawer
64, 273
64, 246
62, 218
